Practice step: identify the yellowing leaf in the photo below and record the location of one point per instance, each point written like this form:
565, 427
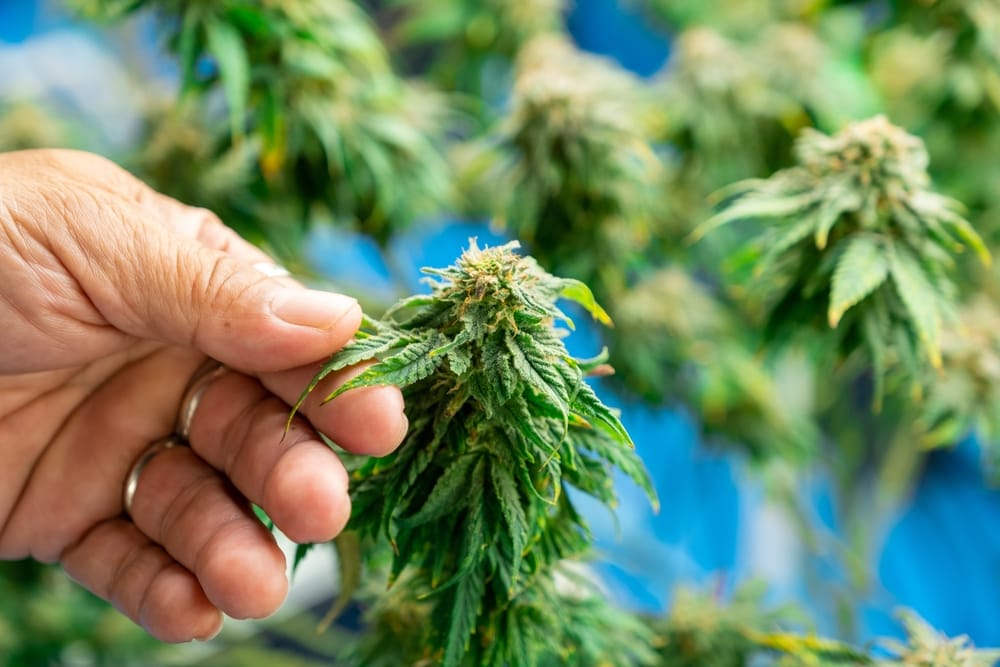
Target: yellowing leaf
574, 290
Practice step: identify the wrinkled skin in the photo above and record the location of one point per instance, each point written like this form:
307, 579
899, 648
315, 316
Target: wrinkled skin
111, 295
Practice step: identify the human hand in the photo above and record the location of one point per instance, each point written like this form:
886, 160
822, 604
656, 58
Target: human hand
111, 295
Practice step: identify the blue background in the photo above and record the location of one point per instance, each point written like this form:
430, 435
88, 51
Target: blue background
940, 553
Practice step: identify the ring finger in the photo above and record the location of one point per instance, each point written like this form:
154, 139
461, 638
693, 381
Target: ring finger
183, 504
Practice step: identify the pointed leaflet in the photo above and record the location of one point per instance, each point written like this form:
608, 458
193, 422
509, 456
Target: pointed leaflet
412, 364
756, 205
535, 369
458, 619
509, 500
226, 45
349, 566
452, 490
364, 347
623, 458
576, 291
828, 215
964, 231
590, 407
861, 269
920, 298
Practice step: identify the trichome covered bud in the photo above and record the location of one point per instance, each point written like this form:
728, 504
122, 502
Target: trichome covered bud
501, 424
856, 237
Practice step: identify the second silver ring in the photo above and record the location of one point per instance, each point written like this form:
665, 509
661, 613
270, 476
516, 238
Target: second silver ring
207, 373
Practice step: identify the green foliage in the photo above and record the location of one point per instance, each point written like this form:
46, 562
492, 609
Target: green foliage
310, 92
559, 621
571, 169
470, 45
737, 17
721, 111
291, 114
966, 396
676, 342
502, 425
928, 648
856, 234
47, 621
701, 631
24, 125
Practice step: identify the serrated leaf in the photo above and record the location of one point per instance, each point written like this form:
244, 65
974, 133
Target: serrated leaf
862, 268
537, 373
826, 218
226, 45
756, 206
594, 412
920, 299
454, 490
460, 621
505, 488
412, 364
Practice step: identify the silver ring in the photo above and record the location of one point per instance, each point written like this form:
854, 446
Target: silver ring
132, 481
199, 382
272, 270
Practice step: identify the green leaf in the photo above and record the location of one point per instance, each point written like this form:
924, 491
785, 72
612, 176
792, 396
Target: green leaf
967, 234
756, 206
861, 269
576, 291
460, 621
349, 567
920, 299
505, 487
875, 339
452, 490
226, 45
301, 550
594, 412
412, 364
828, 215
537, 373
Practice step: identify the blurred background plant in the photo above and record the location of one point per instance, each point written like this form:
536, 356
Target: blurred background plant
307, 124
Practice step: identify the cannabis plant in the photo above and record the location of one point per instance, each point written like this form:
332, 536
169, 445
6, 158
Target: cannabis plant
677, 343
936, 65
856, 241
964, 398
470, 45
927, 648
293, 113
570, 169
503, 429
311, 92
734, 17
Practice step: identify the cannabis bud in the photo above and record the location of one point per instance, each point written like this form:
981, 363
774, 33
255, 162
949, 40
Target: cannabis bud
502, 424
571, 168
855, 232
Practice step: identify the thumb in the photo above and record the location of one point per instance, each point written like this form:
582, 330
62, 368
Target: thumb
149, 281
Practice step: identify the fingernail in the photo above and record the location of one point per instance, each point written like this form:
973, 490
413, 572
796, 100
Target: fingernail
209, 636
271, 270
311, 308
